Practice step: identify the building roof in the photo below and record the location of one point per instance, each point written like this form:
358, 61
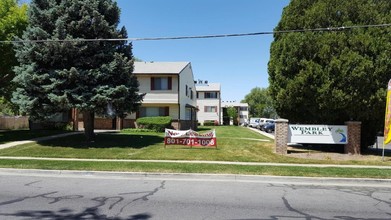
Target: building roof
233, 103
159, 67
208, 87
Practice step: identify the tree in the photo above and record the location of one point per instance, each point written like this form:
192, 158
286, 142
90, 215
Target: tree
332, 76
260, 103
233, 113
13, 21
93, 76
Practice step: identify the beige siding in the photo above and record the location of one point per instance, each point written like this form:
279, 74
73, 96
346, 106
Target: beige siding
186, 78
173, 112
158, 96
208, 116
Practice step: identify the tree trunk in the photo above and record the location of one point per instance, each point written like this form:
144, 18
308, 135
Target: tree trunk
88, 119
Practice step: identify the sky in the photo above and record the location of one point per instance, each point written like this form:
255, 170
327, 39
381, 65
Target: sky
238, 63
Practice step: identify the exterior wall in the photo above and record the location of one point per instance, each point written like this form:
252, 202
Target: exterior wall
181, 105
202, 102
173, 110
208, 116
186, 78
243, 115
104, 123
158, 96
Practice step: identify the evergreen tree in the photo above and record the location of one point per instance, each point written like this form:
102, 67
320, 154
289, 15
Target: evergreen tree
333, 76
13, 21
66, 72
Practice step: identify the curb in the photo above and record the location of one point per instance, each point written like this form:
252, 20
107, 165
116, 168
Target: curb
283, 180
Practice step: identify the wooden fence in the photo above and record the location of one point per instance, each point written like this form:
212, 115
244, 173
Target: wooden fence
14, 122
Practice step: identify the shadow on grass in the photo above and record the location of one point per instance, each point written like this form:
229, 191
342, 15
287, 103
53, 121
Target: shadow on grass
322, 148
200, 129
22, 135
136, 141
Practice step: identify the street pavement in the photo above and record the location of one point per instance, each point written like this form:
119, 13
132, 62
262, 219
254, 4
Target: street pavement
27, 194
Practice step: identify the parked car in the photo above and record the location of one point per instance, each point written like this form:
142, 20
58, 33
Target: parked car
254, 122
264, 121
269, 127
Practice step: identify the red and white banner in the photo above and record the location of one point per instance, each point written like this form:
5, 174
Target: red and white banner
190, 138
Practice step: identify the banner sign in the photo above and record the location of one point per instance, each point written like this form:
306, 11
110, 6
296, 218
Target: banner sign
190, 138
318, 134
387, 121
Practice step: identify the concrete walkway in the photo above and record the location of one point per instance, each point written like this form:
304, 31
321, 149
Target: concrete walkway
35, 140
269, 135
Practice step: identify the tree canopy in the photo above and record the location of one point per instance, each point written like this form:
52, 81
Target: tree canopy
332, 76
13, 21
69, 72
260, 103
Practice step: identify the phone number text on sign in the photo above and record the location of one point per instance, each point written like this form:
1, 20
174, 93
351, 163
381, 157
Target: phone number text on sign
204, 142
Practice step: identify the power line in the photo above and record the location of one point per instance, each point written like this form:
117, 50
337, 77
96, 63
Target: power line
328, 29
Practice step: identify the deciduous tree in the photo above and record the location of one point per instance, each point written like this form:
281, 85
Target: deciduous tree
13, 21
260, 103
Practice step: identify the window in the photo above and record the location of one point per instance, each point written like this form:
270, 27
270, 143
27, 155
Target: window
210, 109
187, 90
161, 83
154, 111
198, 95
243, 108
211, 95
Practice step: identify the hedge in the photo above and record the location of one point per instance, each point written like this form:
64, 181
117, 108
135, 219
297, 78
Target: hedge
154, 123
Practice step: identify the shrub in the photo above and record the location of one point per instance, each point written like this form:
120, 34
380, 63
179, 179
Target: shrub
209, 123
136, 130
155, 123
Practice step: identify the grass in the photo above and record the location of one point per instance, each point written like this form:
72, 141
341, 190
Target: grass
234, 144
22, 135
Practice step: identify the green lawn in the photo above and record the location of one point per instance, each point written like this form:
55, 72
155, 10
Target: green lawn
234, 144
22, 135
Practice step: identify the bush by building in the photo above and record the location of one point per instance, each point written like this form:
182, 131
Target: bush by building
154, 123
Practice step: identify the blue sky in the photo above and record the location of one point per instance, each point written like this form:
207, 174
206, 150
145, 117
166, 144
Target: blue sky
238, 63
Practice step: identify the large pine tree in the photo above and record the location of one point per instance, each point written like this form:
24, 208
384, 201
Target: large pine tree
57, 75
332, 76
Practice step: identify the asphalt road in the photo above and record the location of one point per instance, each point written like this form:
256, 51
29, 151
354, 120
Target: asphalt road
90, 195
